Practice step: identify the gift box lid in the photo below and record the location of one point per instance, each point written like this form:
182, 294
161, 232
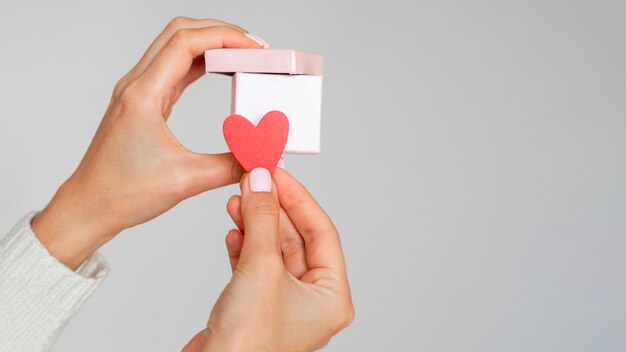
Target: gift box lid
285, 61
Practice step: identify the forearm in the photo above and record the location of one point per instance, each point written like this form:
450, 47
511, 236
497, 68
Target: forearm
39, 294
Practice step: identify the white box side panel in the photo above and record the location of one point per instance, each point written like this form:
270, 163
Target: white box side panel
299, 97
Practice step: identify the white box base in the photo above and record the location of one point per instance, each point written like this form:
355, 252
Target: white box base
297, 96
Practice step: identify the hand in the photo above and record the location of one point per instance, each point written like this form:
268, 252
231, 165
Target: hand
135, 169
289, 290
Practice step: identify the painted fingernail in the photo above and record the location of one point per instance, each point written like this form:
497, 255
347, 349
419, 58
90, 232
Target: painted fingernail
258, 40
281, 163
260, 180
234, 232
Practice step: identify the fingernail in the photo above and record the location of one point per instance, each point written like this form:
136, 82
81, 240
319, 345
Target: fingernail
281, 163
258, 40
260, 180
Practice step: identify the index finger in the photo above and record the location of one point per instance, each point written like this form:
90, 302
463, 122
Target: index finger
173, 62
322, 244
172, 27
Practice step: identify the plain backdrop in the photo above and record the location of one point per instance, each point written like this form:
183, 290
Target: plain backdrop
473, 158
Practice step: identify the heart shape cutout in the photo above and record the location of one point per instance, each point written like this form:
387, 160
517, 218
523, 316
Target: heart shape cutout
257, 146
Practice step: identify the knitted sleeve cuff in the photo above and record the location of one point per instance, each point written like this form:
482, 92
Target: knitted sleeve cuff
38, 294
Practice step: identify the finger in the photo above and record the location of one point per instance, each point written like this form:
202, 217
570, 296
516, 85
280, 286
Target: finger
196, 342
172, 27
260, 212
233, 207
196, 71
292, 246
291, 243
322, 245
173, 62
204, 172
234, 243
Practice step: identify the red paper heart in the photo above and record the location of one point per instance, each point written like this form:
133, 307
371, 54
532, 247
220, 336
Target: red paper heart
260, 145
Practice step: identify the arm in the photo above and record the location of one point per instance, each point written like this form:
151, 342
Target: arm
133, 171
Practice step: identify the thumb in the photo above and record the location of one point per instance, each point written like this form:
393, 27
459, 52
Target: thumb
210, 171
260, 211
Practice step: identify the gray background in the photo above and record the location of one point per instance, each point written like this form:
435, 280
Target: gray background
474, 159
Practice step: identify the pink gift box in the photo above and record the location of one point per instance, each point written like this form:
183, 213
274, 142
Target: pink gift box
275, 79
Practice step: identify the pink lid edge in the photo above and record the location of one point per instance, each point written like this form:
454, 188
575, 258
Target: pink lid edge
286, 61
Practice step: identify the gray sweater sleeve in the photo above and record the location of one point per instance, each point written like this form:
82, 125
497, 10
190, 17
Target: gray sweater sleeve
38, 294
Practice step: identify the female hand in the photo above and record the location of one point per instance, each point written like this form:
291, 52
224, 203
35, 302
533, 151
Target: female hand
289, 290
135, 169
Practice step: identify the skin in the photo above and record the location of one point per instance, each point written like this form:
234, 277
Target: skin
135, 169
289, 290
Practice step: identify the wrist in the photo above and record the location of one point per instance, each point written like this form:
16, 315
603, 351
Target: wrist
70, 227
214, 341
